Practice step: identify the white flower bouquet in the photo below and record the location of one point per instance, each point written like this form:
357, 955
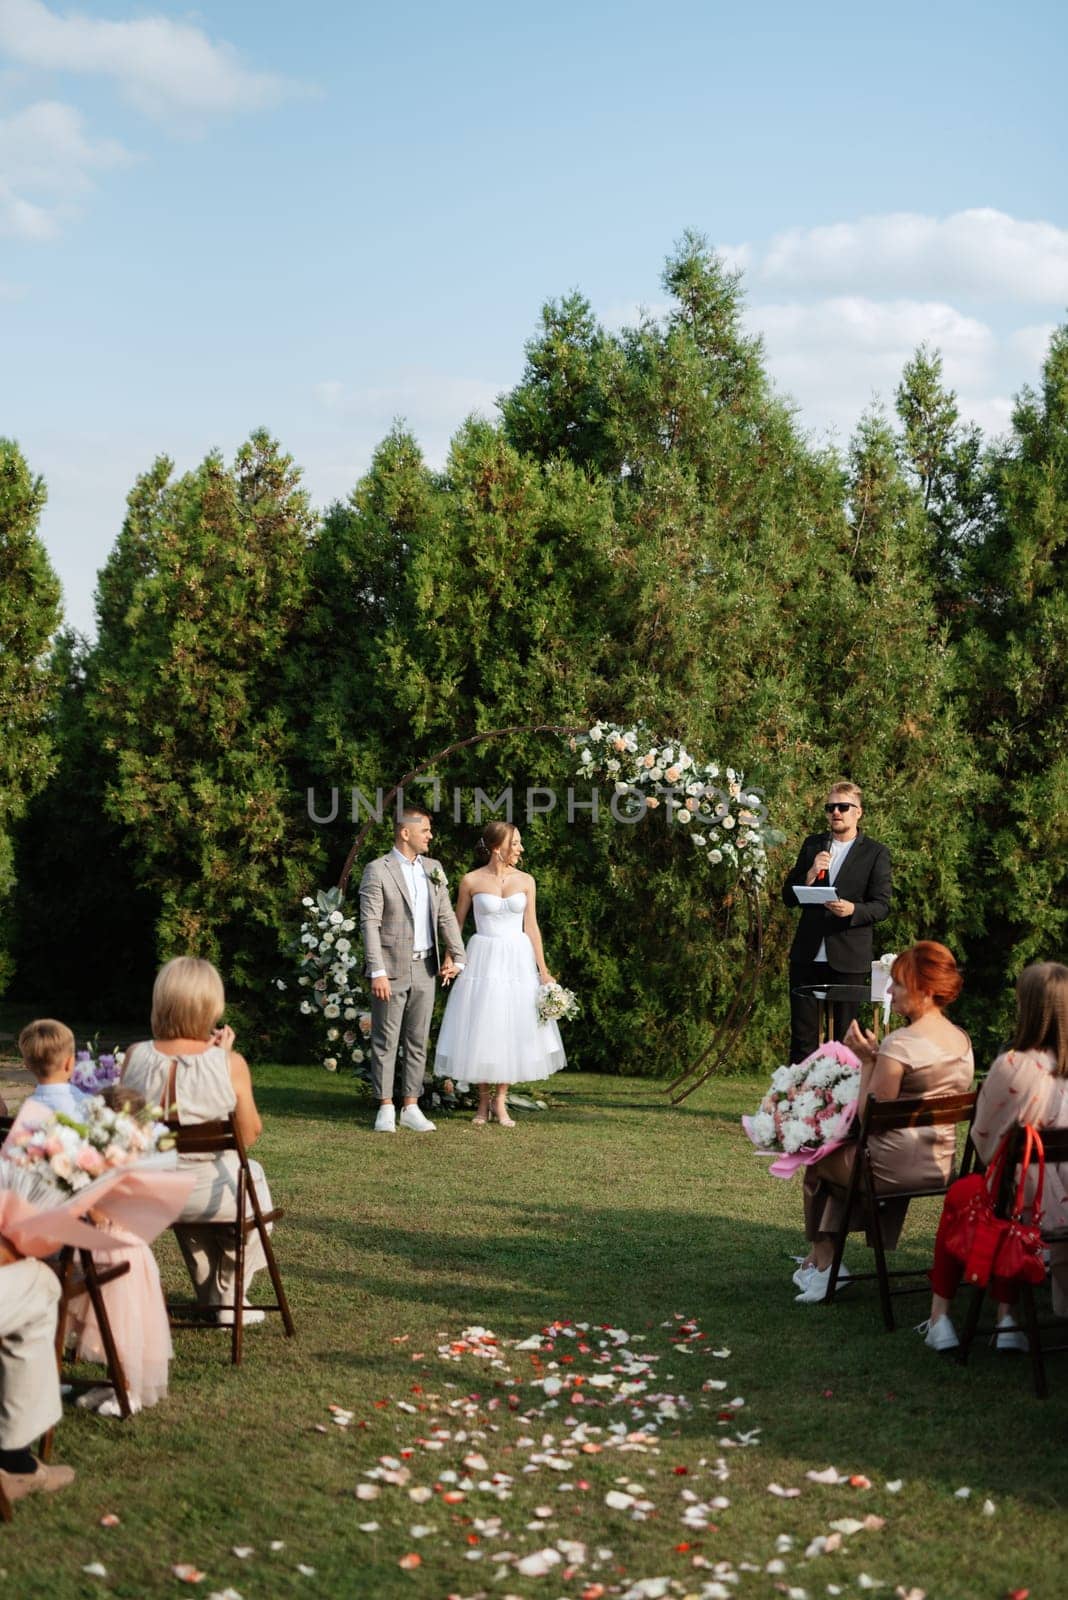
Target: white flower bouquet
556, 1004
808, 1109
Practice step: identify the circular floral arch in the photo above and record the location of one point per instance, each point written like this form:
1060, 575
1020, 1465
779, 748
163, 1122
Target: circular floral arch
725, 823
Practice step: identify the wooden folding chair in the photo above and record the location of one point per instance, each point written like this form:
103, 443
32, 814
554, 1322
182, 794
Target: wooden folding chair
92, 1282
880, 1117
1055, 1147
215, 1139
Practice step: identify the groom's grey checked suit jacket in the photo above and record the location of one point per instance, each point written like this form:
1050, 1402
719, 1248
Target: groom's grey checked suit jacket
387, 921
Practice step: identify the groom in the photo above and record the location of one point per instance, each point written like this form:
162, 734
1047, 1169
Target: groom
405, 915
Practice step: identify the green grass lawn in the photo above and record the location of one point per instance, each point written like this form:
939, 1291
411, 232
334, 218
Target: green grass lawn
614, 1210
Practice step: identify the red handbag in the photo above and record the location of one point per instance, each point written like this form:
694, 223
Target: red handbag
986, 1243
1019, 1254
972, 1233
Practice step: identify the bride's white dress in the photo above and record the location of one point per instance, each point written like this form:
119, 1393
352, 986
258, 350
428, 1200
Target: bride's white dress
490, 1032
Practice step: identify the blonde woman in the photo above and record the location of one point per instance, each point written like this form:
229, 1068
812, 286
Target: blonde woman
191, 1067
490, 1034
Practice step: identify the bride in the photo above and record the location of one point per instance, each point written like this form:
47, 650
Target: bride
490, 1034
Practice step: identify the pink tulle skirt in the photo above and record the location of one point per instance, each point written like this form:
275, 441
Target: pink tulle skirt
138, 1317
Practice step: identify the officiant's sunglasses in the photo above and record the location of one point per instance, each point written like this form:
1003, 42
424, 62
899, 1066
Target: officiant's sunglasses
840, 805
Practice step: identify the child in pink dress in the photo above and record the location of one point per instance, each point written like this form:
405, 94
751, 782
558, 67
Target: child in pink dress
135, 1305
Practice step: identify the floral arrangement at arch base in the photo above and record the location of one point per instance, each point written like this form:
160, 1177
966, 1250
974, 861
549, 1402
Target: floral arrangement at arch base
808, 1109
725, 821
327, 973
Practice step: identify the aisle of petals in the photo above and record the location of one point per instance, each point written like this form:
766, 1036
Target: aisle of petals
574, 1392
589, 1418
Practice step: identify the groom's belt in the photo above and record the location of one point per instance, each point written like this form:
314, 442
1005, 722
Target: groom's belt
420, 955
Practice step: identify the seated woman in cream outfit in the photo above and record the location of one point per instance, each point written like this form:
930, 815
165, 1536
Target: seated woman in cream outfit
1027, 1084
929, 1057
190, 1067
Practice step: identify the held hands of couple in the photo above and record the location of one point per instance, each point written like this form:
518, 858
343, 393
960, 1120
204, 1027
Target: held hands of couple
449, 970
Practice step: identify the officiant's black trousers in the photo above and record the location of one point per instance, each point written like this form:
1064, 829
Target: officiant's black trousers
804, 1011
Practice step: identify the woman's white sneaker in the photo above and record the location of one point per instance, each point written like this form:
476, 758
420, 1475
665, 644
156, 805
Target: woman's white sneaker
939, 1334
815, 1288
1007, 1336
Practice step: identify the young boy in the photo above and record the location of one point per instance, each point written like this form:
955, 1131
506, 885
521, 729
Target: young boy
47, 1049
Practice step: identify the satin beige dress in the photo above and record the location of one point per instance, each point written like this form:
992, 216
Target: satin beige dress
1021, 1087
904, 1158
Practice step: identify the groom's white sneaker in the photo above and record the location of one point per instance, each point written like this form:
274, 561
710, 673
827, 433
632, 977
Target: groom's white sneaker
411, 1117
386, 1120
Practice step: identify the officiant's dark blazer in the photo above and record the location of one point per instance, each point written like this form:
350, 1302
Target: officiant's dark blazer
864, 878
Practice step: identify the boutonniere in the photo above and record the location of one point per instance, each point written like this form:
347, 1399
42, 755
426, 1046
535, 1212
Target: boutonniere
436, 876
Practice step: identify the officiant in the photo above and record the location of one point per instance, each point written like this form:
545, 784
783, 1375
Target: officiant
833, 942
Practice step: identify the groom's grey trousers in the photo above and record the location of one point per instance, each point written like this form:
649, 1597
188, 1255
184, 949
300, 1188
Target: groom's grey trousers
403, 1019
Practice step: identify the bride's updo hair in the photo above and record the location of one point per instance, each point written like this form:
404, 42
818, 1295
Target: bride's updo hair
494, 835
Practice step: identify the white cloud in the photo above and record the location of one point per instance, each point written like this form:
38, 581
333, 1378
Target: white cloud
1032, 343
981, 252
166, 69
835, 357
47, 161
431, 405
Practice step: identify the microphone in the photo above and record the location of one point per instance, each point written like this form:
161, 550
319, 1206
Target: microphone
821, 876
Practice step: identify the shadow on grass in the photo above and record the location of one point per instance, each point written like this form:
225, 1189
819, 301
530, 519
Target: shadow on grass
867, 1400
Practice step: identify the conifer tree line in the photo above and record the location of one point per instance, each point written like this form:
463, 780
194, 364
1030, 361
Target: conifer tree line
645, 533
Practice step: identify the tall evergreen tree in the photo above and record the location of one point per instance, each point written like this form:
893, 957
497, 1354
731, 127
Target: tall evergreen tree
29, 616
1016, 652
945, 460
198, 606
892, 702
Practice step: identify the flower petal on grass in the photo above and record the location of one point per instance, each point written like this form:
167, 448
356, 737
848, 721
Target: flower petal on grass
781, 1493
95, 1570
185, 1572
538, 1563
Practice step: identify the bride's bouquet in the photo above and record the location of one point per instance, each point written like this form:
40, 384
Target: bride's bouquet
808, 1109
65, 1156
556, 1004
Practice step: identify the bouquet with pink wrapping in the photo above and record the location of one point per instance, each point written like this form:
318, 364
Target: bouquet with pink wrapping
54, 1171
808, 1109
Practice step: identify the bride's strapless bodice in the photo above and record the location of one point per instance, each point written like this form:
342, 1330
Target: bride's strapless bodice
499, 918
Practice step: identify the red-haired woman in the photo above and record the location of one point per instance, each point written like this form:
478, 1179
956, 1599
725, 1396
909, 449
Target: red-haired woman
1029, 1083
931, 1056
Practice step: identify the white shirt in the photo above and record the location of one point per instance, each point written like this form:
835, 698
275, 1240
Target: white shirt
840, 848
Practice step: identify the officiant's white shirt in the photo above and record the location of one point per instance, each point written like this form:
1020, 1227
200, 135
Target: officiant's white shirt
840, 848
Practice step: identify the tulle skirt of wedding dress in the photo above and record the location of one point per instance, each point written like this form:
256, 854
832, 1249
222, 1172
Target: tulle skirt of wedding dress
490, 1032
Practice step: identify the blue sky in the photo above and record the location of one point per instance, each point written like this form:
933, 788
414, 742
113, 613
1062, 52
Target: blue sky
318, 217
